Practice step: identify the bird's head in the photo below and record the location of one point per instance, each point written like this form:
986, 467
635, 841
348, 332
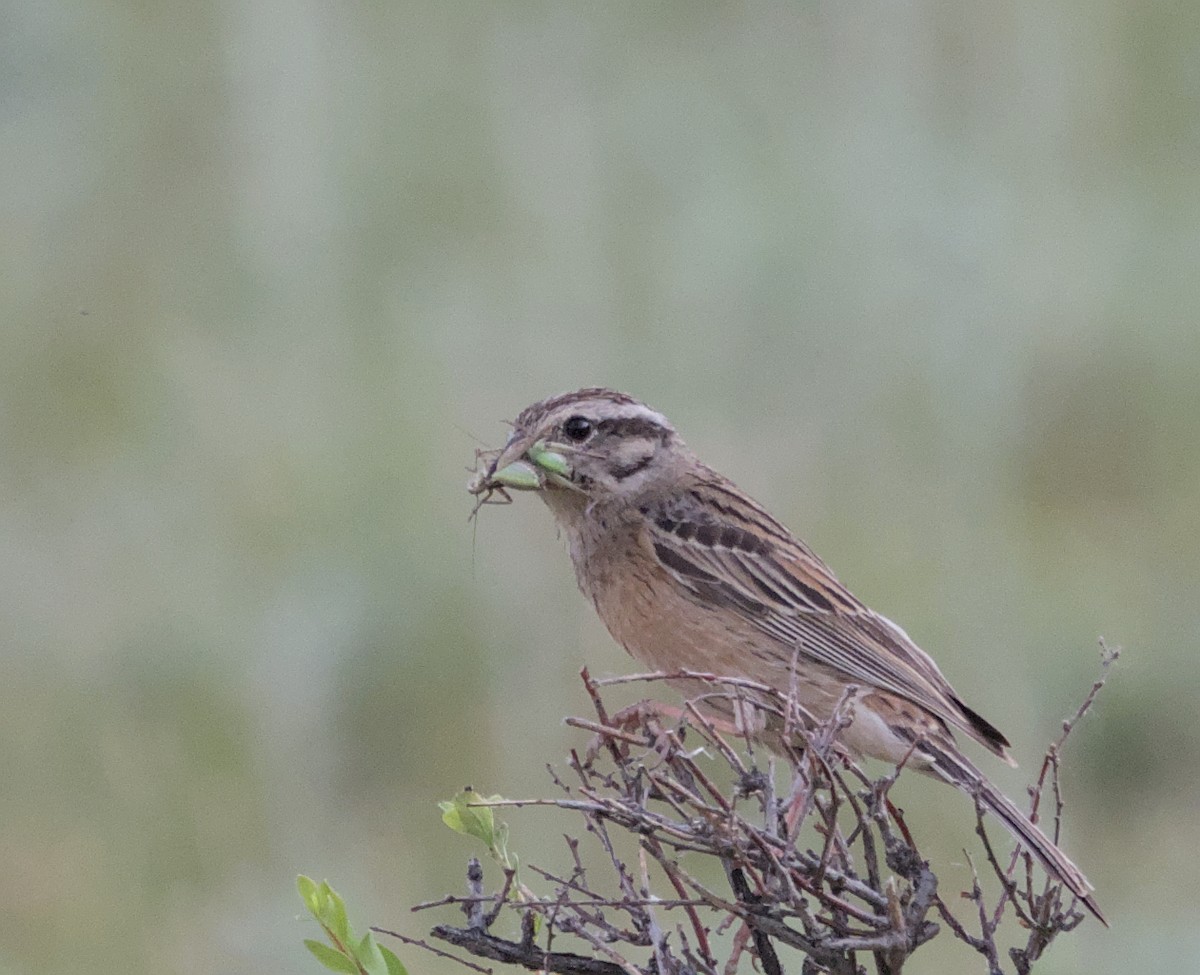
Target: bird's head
590, 446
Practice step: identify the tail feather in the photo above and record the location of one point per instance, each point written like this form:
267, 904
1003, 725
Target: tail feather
957, 769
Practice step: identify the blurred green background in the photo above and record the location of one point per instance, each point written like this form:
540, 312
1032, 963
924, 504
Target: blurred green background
924, 277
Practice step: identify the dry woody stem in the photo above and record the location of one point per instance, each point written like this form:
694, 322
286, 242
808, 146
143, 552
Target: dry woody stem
694, 850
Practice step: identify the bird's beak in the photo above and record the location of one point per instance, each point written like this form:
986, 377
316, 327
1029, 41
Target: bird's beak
525, 465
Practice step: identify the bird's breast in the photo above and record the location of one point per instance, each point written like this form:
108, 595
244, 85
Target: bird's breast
650, 615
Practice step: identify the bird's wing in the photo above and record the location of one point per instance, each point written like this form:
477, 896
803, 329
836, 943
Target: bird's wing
727, 551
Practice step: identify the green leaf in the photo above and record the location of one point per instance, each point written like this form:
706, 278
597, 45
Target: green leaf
394, 967
333, 913
308, 893
355, 957
331, 958
370, 957
469, 813
462, 817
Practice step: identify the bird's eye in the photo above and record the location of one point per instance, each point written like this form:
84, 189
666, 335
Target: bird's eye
578, 428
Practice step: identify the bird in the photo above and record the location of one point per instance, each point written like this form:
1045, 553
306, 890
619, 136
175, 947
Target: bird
688, 572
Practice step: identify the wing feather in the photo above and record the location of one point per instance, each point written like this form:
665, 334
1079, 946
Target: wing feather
790, 595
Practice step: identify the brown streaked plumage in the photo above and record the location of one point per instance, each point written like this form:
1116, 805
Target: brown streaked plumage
689, 573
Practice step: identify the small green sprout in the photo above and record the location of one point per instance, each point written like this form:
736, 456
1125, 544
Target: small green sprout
343, 951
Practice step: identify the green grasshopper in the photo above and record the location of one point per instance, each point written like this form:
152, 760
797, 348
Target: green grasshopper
548, 460
543, 465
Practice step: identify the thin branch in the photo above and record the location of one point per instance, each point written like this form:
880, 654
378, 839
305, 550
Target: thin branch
863, 887
512, 953
432, 949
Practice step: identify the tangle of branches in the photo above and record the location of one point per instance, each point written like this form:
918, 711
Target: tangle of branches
704, 852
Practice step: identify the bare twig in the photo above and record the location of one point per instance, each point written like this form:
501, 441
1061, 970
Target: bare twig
513, 953
432, 949
820, 861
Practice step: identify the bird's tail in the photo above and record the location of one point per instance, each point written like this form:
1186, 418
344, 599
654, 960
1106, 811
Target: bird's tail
957, 769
